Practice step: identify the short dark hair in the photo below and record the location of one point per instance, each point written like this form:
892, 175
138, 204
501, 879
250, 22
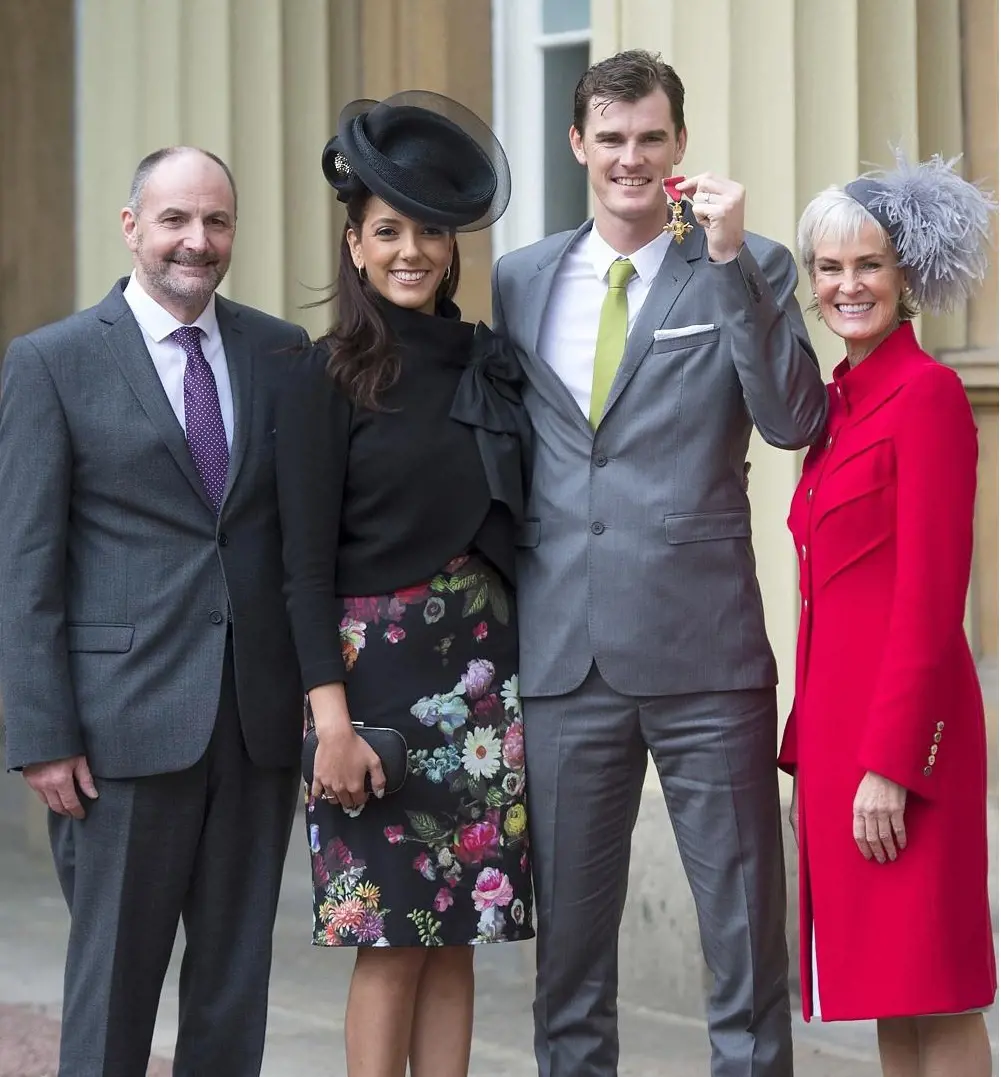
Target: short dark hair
149, 164
628, 76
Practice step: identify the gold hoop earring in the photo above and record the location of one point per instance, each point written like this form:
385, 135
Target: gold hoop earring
448, 273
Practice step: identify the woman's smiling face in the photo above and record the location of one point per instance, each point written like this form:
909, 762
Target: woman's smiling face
858, 285
404, 260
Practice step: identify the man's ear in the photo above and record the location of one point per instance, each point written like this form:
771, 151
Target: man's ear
130, 228
577, 145
681, 145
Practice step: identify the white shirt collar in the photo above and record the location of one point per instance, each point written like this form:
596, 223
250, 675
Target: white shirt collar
158, 323
646, 261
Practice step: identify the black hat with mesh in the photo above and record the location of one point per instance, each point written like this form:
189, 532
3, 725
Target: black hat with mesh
424, 154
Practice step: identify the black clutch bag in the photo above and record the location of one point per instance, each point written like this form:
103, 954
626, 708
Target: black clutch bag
388, 744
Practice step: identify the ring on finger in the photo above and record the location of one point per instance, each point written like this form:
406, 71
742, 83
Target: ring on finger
327, 797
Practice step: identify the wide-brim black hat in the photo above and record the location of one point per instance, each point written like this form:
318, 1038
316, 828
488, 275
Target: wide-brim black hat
424, 154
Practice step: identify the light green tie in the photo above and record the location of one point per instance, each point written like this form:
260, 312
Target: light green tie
611, 342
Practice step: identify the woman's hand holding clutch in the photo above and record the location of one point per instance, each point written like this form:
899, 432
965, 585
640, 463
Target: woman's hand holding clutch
342, 763
343, 760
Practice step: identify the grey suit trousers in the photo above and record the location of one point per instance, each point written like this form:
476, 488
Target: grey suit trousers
206, 846
586, 754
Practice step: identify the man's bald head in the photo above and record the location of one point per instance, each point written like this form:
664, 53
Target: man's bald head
149, 164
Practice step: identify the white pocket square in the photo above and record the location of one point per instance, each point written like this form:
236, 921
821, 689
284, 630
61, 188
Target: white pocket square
681, 331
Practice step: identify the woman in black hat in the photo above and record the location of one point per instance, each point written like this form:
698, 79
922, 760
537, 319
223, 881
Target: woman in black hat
401, 450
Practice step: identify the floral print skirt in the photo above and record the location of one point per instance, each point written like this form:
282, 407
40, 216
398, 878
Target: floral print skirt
444, 860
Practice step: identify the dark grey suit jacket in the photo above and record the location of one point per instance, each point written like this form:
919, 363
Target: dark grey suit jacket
117, 579
636, 553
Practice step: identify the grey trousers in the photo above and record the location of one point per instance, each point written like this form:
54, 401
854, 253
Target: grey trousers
586, 756
207, 846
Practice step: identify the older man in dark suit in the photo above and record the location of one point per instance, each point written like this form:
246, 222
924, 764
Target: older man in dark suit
150, 687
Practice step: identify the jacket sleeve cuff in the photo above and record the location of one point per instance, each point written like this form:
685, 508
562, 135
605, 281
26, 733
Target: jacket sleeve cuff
914, 765
330, 671
745, 285
25, 748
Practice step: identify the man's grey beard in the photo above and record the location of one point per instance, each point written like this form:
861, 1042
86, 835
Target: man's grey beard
158, 276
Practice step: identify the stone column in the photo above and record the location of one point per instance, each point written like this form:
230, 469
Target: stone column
37, 72
742, 80
978, 362
249, 80
36, 157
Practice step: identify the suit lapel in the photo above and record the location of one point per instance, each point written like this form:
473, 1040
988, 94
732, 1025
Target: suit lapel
125, 341
240, 362
539, 288
674, 273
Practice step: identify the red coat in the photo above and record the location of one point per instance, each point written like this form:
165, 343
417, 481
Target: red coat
885, 681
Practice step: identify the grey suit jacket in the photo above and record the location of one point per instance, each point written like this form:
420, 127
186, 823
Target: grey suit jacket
637, 548
117, 579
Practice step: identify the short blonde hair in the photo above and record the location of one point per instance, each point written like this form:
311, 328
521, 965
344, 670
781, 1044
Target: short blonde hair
834, 214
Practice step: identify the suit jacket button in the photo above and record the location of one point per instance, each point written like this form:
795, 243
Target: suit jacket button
927, 772
940, 726
600, 460
597, 528
224, 539
216, 617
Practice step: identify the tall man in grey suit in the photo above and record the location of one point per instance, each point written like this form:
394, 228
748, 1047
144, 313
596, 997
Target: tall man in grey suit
640, 615
150, 686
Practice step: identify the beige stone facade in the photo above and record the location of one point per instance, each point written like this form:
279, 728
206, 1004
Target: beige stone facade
786, 96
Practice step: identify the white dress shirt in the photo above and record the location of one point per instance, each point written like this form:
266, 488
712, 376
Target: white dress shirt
570, 324
168, 356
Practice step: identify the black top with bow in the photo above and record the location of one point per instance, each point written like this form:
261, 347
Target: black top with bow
375, 501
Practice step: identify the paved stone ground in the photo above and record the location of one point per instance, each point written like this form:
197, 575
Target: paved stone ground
29, 1044
309, 988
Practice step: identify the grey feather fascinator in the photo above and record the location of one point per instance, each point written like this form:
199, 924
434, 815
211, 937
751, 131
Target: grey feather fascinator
938, 223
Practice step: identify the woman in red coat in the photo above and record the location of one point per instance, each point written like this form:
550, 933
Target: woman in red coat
886, 738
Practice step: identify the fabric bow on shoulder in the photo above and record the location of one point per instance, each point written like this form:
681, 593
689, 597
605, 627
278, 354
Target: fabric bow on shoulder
488, 399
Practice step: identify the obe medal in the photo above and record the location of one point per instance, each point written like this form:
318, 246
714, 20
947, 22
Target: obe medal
677, 225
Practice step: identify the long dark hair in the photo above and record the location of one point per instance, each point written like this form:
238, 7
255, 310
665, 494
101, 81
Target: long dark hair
363, 357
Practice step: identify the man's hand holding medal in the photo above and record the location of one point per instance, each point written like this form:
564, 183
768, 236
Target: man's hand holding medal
718, 205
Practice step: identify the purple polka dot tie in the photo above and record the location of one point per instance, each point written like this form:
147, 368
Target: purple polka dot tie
202, 416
